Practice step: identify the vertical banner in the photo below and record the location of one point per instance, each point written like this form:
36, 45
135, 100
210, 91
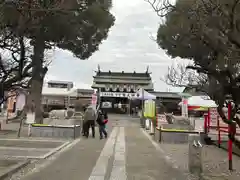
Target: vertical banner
184, 107
149, 109
94, 100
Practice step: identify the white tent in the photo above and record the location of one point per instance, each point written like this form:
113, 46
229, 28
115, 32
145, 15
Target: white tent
143, 95
203, 101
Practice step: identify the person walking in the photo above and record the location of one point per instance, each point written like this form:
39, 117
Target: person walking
105, 120
89, 121
84, 123
101, 124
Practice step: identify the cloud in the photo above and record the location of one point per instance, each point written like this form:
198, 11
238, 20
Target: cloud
127, 48
82, 85
154, 64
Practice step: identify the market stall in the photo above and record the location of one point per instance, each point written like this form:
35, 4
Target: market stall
200, 103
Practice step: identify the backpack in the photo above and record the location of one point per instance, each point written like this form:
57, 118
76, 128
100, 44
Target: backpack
100, 119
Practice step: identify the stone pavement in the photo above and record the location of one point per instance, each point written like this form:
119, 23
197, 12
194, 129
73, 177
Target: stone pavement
144, 162
23, 148
127, 154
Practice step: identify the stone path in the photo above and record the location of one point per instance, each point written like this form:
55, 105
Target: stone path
23, 148
145, 162
127, 154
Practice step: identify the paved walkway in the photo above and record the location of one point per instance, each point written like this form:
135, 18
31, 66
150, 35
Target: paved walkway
127, 154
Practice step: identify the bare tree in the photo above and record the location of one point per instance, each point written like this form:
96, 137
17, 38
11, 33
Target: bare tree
15, 65
180, 76
161, 7
207, 32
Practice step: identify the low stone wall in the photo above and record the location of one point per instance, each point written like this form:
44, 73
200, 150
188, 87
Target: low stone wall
58, 131
177, 127
174, 136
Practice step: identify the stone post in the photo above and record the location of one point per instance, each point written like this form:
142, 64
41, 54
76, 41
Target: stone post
195, 154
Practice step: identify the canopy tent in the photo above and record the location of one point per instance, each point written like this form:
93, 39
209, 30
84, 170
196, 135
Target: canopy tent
199, 103
143, 95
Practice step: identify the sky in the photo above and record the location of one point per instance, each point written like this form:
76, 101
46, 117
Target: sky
128, 48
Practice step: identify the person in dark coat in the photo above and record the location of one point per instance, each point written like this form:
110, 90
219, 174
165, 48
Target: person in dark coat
84, 122
101, 124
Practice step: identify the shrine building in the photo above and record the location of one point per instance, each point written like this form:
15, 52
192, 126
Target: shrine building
116, 88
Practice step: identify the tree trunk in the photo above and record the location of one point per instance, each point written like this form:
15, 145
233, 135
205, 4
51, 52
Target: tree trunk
1, 94
37, 78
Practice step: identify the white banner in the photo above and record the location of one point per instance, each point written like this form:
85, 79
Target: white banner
184, 107
94, 100
117, 94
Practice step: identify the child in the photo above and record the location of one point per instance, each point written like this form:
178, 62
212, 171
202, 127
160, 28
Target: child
105, 121
105, 117
102, 121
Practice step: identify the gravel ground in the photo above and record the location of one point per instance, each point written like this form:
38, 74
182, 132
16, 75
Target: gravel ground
215, 161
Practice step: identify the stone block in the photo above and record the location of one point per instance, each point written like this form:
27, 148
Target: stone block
175, 136
72, 131
195, 154
177, 126
75, 121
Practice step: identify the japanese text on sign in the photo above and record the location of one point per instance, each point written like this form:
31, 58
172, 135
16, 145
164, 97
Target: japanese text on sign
213, 115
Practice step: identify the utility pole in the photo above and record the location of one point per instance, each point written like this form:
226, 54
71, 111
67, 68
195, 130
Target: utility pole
142, 118
69, 96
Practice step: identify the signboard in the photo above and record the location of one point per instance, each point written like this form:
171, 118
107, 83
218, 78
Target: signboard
213, 115
117, 94
106, 105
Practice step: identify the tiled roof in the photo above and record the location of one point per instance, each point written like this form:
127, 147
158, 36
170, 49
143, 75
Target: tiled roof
85, 91
60, 82
122, 81
128, 74
166, 94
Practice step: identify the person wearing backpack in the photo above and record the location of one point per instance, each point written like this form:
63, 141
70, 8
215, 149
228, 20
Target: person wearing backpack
105, 119
102, 124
